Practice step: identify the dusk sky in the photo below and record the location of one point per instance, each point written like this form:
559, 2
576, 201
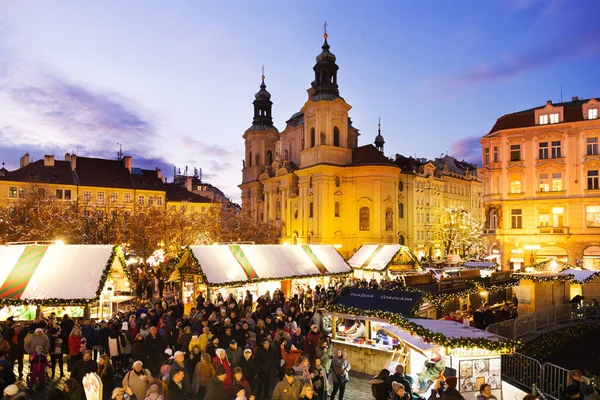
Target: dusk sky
174, 81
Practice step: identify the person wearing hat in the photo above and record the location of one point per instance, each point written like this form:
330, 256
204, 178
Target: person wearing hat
399, 377
138, 380
313, 338
122, 394
398, 392
37, 339
248, 366
84, 366
267, 364
234, 354
215, 390
450, 393
178, 364
288, 388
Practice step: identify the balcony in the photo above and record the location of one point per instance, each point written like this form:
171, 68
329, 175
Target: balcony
551, 193
490, 231
554, 230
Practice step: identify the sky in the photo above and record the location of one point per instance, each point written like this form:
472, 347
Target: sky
173, 82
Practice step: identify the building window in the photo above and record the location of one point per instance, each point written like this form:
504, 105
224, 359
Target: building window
22, 192
516, 219
364, 219
59, 194
486, 155
269, 157
12, 191
400, 186
389, 220
127, 198
557, 182
141, 200
150, 200
515, 183
400, 210
515, 152
543, 119
593, 216
277, 209
114, 197
544, 218
100, 197
592, 146
250, 159
556, 153
554, 118
544, 183
592, 113
543, 150
592, 180
495, 155
336, 136
337, 181
159, 201
67, 194
312, 137
202, 209
311, 210
336, 209
310, 182
87, 196
558, 216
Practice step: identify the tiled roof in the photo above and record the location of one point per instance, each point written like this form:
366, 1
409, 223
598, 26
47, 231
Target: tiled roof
178, 193
98, 172
573, 112
60, 173
368, 154
145, 179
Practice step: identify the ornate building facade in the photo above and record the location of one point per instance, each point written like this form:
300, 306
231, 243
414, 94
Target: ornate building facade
541, 185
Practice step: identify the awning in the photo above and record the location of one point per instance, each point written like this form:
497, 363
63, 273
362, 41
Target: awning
517, 260
66, 272
375, 257
238, 264
385, 300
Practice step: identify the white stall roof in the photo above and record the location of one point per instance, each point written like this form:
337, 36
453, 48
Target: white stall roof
412, 340
245, 263
38, 272
454, 330
375, 257
580, 275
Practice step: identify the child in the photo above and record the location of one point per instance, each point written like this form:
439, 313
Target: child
38, 362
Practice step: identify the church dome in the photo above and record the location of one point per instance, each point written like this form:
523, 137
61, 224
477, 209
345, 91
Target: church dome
262, 94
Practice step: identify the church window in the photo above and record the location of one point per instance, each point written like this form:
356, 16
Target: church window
269, 157
291, 150
337, 181
323, 138
336, 137
400, 186
310, 183
337, 209
400, 210
311, 209
312, 137
257, 159
250, 159
364, 219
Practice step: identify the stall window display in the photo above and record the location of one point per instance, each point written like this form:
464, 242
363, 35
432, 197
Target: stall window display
474, 373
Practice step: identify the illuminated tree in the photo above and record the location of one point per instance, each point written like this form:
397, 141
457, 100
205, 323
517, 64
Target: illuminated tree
458, 231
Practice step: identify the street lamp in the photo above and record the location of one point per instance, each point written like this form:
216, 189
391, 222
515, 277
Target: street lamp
533, 248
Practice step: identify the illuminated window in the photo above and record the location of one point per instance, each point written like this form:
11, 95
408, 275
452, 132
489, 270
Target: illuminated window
22, 192
87, 196
592, 113
544, 218
141, 200
593, 216
100, 197
150, 200
127, 198
544, 183
160, 203
114, 196
12, 191
554, 118
515, 183
543, 119
558, 216
557, 182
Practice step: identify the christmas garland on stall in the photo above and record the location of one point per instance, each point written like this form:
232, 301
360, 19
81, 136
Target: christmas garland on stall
497, 287
436, 338
116, 252
550, 342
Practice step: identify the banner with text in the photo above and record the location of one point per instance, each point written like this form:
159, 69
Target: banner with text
385, 300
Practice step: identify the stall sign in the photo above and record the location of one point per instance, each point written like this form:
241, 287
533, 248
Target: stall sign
498, 277
476, 352
469, 273
385, 300
420, 279
457, 282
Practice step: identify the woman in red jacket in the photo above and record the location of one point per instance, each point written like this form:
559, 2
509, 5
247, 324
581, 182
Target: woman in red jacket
74, 346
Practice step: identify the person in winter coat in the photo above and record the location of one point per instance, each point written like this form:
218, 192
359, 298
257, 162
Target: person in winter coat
266, 366
56, 355
313, 338
155, 346
450, 393
289, 388
204, 338
83, 367
240, 381
221, 359
485, 392
73, 390
339, 374
325, 353
138, 348
248, 366
234, 354
433, 368
398, 376
75, 346
216, 386
576, 379
15, 335
176, 388
212, 347
289, 357
38, 339
302, 369
138, 380
379, 386
319, 380
203, 373
154, 393
107, 375
7, 375
398, 392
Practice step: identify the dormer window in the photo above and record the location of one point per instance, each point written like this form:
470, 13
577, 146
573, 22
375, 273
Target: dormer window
543, 119
592, 113
554, 118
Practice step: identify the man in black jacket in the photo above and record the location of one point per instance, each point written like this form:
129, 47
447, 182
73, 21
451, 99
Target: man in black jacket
83, 367
266, 367
398, 376
248, 366
216, 386
176, 389
154, 349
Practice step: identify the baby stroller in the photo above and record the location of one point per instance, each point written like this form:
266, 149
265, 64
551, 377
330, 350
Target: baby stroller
38, 363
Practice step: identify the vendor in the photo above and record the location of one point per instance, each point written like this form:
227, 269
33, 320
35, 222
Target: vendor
358, 330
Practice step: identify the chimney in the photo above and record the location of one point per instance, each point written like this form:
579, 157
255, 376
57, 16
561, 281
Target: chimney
575, 98
127, 162
188, 183
48, 161
24, 161
68, 157
159, 173
549, 102
73, 162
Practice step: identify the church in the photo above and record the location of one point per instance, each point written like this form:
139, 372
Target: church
313, 179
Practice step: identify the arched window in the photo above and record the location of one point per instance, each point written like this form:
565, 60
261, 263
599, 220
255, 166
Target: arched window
323, 138
286, 155
250, 159
336, 209
401, 240
312, 137
310, 182
400, 186
389, 220
291, 150
310, 210
400, 210
336, 137
269, 157
337, 181
364, 219
277, 209
257, 157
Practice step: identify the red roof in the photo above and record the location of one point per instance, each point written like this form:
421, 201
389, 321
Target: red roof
368, 154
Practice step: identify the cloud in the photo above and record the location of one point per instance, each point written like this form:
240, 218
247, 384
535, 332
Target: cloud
468, 149
203, 148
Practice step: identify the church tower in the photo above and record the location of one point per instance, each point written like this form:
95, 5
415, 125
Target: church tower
326, 126
260, 146
379, 142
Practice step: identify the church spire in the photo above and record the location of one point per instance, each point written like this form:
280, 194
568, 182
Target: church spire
325, 83
379, 142
262, 107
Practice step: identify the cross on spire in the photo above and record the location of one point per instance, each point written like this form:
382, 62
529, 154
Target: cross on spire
263, 72
325, 29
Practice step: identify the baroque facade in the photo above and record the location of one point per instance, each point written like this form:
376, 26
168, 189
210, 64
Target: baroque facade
320, 186
541, 185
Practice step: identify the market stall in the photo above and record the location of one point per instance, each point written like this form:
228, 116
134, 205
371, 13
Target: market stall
538, 290
584, 283
237, 268
495, 289
64, 279
394, 337
374, 261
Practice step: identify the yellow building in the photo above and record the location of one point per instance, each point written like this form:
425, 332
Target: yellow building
320, 186
541, 185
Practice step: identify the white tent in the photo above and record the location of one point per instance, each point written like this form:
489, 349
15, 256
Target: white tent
580, 275
234, 263
50, 272
374, 257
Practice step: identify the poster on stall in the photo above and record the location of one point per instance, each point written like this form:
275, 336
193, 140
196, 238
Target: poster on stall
474, 373
92, 386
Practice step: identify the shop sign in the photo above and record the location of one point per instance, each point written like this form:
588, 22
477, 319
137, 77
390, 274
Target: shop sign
452, 283
498, 277
385, 300
476, 352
